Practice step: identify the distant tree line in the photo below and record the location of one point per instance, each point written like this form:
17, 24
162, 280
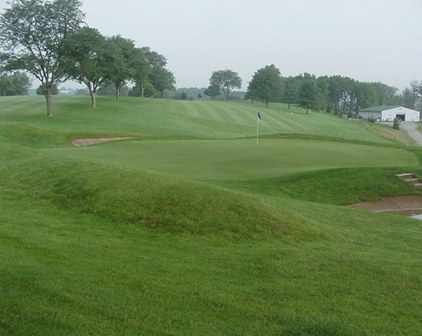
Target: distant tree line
50, 40
334, 94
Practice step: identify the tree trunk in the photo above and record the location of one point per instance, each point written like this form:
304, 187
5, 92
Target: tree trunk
48, 100
93, 95
162, 94
266, 102
117, 92
142, 90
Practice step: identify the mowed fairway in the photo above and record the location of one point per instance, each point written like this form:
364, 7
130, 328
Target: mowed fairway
191, 228
242, 159
152, 120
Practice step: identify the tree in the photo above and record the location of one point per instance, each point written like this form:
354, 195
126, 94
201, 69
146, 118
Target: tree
148, 62
121, 57
41, 90
212, 91
141, 72
408, 98
85, 59
6, 86
265, 84
366, 96
290, 92
32, 34
308, 95
162, 79
16, 84
109, 89
226, 81
385, 93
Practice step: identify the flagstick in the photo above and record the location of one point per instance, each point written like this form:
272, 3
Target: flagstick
257, 131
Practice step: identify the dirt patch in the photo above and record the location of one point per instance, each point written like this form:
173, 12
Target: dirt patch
405, 205
93, 141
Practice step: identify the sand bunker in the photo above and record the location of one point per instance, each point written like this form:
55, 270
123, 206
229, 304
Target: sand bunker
401, 205
93, 141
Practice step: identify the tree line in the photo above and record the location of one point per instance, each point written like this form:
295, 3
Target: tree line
334, 94
50, 40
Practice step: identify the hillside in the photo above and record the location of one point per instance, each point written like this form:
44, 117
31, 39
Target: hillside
191, 228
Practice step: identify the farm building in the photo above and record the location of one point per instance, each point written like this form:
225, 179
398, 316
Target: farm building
389, 113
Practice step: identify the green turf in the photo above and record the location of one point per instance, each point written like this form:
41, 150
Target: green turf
193, 229
158, 119
242, 159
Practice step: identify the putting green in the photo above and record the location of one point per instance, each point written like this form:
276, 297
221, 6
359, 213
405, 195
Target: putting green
241, 159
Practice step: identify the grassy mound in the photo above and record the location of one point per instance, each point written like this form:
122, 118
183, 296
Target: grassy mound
136, 197
31, 136
334, 186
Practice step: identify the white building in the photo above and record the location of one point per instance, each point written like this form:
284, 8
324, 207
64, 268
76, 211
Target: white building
389, 113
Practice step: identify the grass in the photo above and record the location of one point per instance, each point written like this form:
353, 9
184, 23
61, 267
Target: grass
241, 159
150, 119
334, 186
193, 229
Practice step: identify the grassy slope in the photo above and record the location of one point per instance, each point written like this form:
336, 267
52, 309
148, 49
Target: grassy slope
89, 247
149, 119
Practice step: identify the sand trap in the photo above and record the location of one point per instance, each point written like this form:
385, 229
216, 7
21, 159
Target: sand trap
93, 141
402, 205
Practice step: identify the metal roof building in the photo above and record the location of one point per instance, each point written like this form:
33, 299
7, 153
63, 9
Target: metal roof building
389, 113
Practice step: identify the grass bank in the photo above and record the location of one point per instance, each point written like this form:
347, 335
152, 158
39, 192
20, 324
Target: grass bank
184, 237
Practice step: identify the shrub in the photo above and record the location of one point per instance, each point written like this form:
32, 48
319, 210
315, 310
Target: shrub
372, 119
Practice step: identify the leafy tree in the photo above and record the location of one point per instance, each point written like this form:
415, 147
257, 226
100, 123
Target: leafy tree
142, 69
408, 98
385, 93
41, 90
148, 63
212, 91
266, 84
21, 83
290, 92
121, 57
308, 95
225, 81
366, 96
162, 79
416, 87
109, 89
16, 84
32, 34
6, 86
148, 90
85, 59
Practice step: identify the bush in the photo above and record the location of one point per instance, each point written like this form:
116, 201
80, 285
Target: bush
372, 119
396, 123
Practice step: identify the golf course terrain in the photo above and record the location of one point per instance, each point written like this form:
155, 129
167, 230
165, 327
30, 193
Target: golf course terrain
190, 227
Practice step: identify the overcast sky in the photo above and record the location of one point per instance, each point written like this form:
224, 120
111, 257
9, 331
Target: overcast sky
368, 40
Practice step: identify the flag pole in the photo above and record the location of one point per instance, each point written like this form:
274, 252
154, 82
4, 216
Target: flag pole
258, 119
